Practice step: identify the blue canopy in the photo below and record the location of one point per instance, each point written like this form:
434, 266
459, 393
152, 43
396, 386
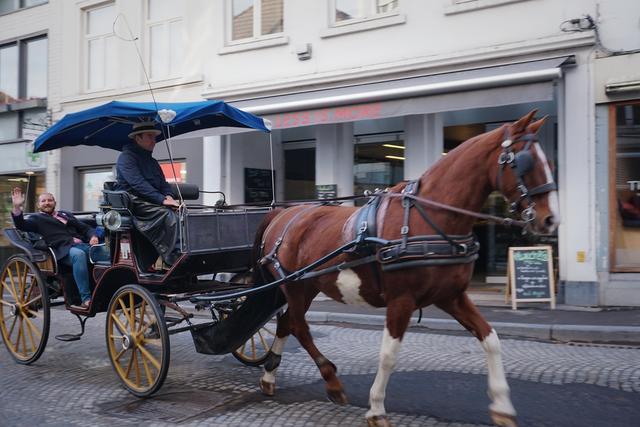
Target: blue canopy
109, 125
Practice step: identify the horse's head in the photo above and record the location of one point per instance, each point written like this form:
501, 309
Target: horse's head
524, 176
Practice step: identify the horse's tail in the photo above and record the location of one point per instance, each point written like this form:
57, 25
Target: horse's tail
260, 273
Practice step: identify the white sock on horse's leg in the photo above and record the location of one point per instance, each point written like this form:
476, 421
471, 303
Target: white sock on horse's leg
498, 387
388, 354
276, 348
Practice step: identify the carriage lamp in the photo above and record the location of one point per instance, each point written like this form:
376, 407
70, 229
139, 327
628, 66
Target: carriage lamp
112, 220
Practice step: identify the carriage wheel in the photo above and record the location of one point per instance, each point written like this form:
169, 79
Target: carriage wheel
255, 350
24, 310
137, 340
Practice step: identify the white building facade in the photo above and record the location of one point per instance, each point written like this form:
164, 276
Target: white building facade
364, 93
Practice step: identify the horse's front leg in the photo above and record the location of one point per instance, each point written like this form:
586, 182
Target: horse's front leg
464, 311
398, 315
268, 379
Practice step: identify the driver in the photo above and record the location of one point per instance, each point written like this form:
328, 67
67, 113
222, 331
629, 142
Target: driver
152, 205
64, 233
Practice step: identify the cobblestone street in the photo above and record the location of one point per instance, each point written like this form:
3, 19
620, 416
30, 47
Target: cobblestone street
440, 380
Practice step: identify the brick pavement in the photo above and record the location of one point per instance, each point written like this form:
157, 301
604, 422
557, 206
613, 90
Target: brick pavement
440, 380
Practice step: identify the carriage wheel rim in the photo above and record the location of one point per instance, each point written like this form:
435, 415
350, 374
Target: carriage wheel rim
132, 349
256, 347
24, 329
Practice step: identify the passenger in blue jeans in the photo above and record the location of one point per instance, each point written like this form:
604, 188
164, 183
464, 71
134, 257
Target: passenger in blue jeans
69, 238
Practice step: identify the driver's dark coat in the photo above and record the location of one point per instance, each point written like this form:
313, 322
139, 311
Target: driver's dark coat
140, 174
57, 235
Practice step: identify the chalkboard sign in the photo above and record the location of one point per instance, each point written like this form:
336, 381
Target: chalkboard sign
531, 275
327, 191
257, 185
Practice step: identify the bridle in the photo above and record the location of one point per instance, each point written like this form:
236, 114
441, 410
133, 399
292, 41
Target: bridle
521, 164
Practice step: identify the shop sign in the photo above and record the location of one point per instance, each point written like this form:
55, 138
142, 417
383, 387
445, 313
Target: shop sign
348, 113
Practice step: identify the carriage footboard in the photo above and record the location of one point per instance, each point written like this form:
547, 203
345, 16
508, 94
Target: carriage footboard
230, 333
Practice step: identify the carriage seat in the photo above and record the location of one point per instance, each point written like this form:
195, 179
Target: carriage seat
120, 199
31, 243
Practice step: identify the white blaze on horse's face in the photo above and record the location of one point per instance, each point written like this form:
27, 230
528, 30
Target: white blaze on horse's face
348, 283
552, 196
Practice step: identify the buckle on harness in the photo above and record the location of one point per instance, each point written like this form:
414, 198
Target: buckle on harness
404, 230
363, 227
464, 247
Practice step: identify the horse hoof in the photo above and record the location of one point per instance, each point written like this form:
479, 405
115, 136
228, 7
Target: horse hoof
337, 397
268, 389
503, 420
378, 421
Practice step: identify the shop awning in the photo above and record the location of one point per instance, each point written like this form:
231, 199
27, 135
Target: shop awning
477, 88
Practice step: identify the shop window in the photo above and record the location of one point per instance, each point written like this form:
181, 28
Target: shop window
299, 171
100, 48
32, 185
377, 164
167, 43
91, 185
625, 187
179, 172
255, 19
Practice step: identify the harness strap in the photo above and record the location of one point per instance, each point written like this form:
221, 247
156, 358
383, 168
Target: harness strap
409, 190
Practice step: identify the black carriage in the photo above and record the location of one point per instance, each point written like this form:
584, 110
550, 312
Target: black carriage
143, 308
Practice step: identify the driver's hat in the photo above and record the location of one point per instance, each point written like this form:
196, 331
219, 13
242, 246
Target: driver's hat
144, 127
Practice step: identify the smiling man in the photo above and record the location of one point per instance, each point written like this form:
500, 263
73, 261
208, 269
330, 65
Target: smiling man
69, 238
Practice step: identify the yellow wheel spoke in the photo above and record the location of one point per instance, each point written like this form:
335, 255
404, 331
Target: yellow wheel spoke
33, 327
12, 289
147, 371
241, 350
118, 323
131, 312
12, 326
7, 303
136, 364
119, 355
263, 341
33, 301
143, 308
130, 365
31, 339
253, 347
269, 331
125, 310
149, 356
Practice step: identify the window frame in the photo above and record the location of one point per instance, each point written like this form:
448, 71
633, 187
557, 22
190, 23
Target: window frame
165, 23
257, 40
613, 202
370, 22
21, 5
86, 38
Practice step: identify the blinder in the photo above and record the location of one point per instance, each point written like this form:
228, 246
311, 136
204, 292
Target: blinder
522, 163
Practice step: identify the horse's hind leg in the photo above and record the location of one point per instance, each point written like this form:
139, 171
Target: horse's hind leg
398, 315
299, 299
464, 311
268, 379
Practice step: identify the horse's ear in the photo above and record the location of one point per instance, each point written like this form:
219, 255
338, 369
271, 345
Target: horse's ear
535, 126
521, 125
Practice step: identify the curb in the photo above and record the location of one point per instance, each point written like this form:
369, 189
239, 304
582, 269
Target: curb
583, 333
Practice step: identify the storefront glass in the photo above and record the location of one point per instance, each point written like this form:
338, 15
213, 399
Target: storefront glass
377, 165
626, 187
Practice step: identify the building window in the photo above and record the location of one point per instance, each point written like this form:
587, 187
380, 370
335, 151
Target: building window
378, 162
100, 48
23, 84
167, 39
91, 185
350, 10
625, 187
8, 6
255, 19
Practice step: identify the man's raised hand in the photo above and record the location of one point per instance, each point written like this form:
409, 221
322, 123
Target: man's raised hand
17, 198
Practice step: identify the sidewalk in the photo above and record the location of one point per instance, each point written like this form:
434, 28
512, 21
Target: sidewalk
614, 325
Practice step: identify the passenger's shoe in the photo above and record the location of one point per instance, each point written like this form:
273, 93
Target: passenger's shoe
84, 306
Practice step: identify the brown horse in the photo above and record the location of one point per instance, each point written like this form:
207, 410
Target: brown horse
507, 159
